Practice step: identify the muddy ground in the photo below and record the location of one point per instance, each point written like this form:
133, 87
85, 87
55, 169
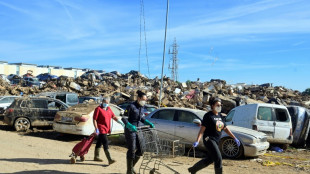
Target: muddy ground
45, 151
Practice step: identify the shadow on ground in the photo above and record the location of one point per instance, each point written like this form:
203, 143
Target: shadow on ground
47, 171
50, 161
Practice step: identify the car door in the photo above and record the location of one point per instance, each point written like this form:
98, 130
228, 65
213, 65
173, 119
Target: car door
185, 129
164, 122
53, 108
282, 124
39, 112
265, 121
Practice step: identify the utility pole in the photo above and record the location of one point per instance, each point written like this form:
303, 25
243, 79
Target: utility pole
173, 64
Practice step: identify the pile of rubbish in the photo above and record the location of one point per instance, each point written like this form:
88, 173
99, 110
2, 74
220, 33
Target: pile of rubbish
190, 94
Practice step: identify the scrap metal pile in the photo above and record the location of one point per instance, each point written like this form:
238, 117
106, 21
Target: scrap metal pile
192, 94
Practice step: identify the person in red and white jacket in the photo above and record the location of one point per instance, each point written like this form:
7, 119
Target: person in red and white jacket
102, 122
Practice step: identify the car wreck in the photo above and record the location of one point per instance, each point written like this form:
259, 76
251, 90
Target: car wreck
78, 119
301, 125
28, 112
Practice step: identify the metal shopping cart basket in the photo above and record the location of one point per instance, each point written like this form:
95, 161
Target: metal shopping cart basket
154, 149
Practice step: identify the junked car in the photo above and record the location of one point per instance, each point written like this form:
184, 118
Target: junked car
184, 124
33, 111
301, 124
78, 120
70, 98
274, 120
31, 81
46, 77
4, 77
82, 99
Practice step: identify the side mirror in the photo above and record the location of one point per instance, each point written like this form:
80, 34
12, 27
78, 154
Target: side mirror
197, 121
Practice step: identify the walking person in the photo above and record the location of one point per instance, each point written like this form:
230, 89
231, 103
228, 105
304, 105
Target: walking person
102, 122
211, 129
135, 113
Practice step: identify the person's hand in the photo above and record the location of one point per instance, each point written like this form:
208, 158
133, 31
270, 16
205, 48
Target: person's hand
237, 142
195, 144
97, 131
131, 127
147, 122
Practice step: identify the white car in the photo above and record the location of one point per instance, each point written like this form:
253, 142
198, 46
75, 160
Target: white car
78, 120
271, 119
184, 124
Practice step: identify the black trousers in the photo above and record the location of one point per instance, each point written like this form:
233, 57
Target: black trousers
102, 140
133, 144
213, 154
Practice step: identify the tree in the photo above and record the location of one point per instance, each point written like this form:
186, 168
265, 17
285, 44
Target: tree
307, 91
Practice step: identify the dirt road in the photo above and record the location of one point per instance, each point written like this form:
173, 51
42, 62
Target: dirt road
44, 151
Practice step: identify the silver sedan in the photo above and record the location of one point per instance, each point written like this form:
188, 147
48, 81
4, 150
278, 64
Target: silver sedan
184, 124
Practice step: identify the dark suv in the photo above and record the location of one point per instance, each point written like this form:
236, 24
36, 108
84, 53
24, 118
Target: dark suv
34, 111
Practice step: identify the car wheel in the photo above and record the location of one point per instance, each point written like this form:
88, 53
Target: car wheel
229, 148
285, 146
22, 124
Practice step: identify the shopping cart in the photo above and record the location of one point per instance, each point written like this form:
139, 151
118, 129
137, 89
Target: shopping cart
154, 149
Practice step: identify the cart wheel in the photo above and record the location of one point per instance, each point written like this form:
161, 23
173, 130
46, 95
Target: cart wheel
72, 160
82, 158
152, 171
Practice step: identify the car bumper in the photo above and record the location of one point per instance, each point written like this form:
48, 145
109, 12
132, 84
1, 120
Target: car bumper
254, 150
74, 129
280, 141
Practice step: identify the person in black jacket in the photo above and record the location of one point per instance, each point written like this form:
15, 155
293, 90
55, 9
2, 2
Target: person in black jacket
135, 113
212, 126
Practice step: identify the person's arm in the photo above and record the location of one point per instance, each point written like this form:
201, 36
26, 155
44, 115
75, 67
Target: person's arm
95, 124
126, 113
116, 119
95, 116
226, 129
201, 131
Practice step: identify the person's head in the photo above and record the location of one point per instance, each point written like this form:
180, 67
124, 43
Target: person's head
216, 105
105, 101
141, 98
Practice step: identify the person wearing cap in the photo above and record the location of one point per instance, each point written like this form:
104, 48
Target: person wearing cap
212, 126
135, 113
102, 122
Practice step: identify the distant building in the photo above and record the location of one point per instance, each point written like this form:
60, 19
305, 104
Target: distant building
22, 68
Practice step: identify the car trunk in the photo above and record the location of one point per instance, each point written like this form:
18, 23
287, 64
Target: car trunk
70, 117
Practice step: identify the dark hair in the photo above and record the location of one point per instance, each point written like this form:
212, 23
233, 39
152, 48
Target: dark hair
140, 94
214, 100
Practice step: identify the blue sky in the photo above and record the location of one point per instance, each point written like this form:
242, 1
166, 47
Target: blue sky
249, 41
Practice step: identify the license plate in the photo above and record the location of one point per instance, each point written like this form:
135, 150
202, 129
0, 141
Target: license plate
66, 119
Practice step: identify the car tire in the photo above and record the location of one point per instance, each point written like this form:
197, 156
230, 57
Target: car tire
285, 146
22, 124
229, 148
